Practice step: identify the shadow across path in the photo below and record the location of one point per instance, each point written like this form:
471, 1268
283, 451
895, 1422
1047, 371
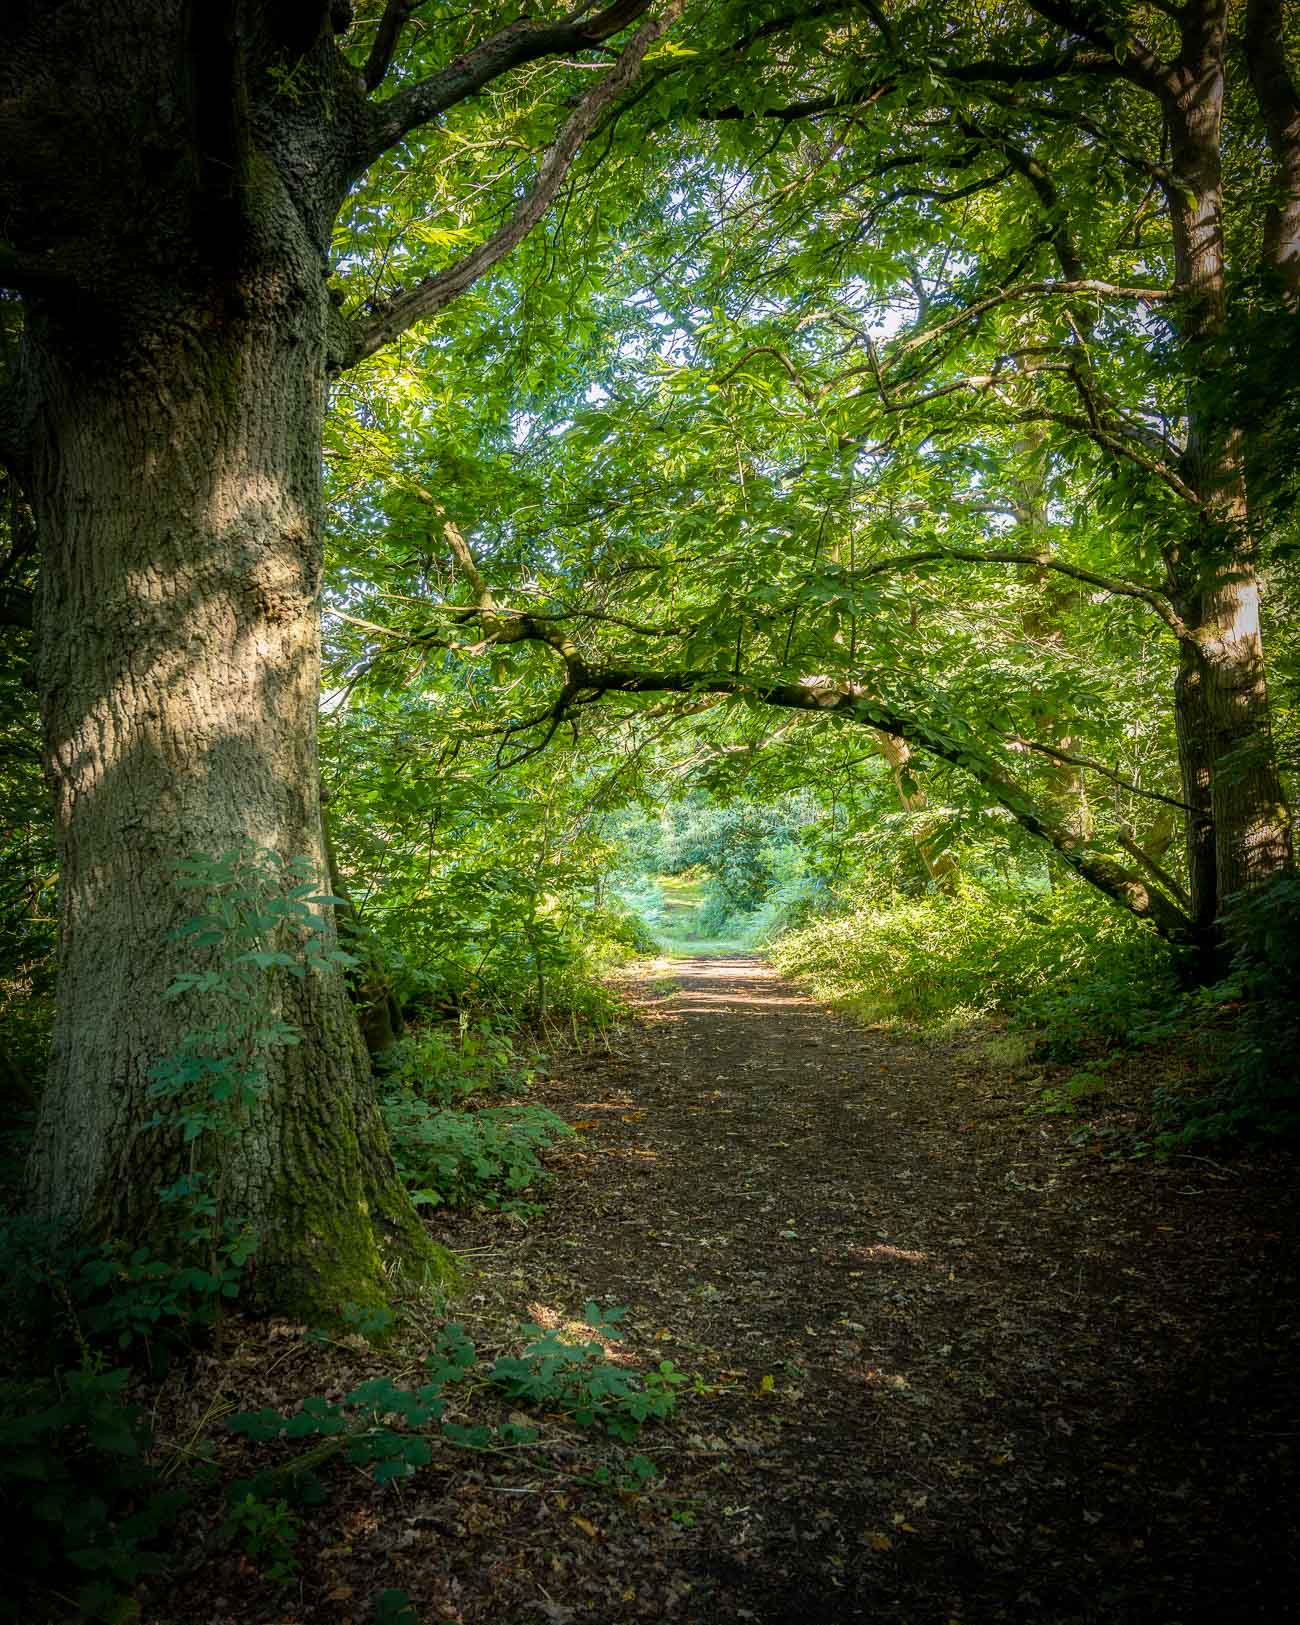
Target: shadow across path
946, 1367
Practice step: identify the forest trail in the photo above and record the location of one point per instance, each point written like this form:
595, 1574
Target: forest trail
950, 1367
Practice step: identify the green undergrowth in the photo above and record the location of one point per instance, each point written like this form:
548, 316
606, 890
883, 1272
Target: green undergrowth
1081, 986
85, 1493
1077, 971
478, 963
457, 1140
93, 1500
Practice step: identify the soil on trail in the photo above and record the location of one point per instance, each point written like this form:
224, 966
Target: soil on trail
949, 1362
950, 1370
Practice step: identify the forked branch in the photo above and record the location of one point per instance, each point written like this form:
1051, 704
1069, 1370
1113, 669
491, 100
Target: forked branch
1154, 600
510, 47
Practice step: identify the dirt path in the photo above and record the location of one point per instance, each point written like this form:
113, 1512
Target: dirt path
951, 1371
950, 1363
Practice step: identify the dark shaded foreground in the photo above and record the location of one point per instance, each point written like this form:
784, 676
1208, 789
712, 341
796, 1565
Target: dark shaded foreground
949, 1362
956, 1370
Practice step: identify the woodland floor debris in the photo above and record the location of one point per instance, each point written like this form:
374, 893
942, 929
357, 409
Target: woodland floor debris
950, 1362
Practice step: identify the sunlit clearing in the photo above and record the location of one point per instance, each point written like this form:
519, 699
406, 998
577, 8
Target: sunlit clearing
721, 1001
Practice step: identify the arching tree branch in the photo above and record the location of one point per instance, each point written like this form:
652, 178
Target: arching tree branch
586, 683
851, 702
864, 96
392, 120
1155, 601
1157, 871
437, 292
1133, 60
1037, 177
1094, 766
1029, 290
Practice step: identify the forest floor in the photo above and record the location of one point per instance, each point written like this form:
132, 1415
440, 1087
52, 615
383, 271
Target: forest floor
949, 1362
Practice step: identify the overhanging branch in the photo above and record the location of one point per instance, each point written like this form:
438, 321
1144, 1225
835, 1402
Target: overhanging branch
1094, 766
1029, 290
1133, 60
1157, 871
435, 293
864, 96
1154, 600
508, 48
586, 684
854, 703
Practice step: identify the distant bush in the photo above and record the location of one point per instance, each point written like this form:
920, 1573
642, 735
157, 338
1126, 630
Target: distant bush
1073, 967
788, 906
619, 934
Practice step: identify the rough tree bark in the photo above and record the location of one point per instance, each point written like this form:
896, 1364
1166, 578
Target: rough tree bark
169, 175
1238, 832
175, 481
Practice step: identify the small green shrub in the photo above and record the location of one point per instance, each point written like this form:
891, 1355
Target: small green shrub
267, 1534
77, 1496
790, 905
580, 1380
446, 1064
364, 1423
487, 1158
1087, 1084
64, 1297
385, 1427
619, 933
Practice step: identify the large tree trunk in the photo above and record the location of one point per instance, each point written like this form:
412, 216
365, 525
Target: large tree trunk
1238, 831
170, 171
177, 491
179, 503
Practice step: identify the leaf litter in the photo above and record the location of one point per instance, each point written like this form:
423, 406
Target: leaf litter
947, 1364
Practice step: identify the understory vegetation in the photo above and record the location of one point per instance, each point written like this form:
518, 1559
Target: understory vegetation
88, 1500
1006, 941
